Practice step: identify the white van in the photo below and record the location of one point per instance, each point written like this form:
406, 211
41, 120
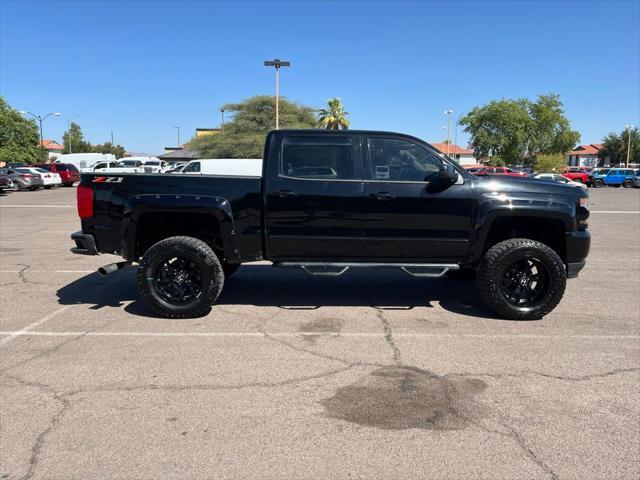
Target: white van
85, 160
245, 167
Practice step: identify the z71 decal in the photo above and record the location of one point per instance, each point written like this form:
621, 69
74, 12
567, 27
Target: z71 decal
108, 180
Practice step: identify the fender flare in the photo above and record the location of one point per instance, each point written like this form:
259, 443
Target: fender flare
217, 208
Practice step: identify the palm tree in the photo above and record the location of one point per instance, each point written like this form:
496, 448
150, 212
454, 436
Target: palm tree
334, 117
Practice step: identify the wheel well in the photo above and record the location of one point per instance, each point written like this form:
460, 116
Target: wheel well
153, 227
551, 232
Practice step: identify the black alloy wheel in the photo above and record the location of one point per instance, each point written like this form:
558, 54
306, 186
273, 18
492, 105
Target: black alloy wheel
525, 283
178, 280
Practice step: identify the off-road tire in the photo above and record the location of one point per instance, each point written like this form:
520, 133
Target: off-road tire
598, 183
502, 255
628, 183
229, 269
198, 252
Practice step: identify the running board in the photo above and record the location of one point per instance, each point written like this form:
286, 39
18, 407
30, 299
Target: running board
335, 269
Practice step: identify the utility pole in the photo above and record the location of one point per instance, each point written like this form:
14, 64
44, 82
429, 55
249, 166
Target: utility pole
222, 113
628, 128
178, 127
111, 138
277, 63
448, 114
40, 119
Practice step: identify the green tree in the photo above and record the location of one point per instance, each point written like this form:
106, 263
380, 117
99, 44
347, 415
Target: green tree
520, 130
243, 136
334, 117
19, 137
73, 140
107, 147
615, 146
550, 163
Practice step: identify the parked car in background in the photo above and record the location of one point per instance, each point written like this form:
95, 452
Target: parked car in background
555, 177
5, 182
251, 167
597, 173
25, 179
16, 164
498, 171
85, 160
617, 177
176, 168
577, 174
68, 172
50, 179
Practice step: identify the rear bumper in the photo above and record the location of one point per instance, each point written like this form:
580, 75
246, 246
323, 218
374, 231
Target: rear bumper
578, 244
85, 244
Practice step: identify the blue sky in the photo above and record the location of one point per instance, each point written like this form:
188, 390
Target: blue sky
140, 68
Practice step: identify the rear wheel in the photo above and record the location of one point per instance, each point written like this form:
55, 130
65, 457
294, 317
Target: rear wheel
628, 183
598, 183
522, 279
180, 277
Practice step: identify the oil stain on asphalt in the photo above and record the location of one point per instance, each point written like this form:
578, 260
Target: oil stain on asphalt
397, 398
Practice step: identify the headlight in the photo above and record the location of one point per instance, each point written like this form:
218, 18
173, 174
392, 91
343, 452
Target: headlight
584, 202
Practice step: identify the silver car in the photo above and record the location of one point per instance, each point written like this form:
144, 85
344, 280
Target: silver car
24, 179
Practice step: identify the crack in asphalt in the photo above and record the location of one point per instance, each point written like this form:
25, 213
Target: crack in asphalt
565, 378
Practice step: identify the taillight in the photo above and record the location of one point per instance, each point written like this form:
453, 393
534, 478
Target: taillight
85, 201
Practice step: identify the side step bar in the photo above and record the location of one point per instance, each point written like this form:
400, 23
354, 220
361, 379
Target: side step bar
335, 269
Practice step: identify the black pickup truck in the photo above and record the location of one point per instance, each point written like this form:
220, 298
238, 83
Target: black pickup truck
328, 201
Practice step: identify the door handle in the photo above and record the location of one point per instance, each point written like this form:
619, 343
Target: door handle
382, 196
287, 193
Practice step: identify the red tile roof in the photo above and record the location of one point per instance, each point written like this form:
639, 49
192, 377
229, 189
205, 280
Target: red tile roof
51, 145
591, 149
453, 149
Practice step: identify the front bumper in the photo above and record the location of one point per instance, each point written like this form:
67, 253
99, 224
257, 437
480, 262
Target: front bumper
85, 244
578, 244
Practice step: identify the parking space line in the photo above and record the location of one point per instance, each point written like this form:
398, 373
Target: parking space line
615, 211
37, 206
27, 332
49, 271
33, 325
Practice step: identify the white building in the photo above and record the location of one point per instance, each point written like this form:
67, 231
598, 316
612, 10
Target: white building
584, 155
461, 155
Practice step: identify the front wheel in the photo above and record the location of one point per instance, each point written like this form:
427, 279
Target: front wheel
598, 183
522, 279
180, 277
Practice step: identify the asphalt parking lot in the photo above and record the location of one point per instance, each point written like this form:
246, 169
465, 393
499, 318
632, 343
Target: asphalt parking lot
369, 375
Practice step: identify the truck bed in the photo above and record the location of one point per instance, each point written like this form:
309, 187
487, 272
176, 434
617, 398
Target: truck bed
120, 200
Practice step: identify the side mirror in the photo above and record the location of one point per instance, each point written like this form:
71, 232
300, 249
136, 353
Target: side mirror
447, 175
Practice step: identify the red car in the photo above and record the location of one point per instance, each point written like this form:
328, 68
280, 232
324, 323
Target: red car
496, 171
67, 171
577, 174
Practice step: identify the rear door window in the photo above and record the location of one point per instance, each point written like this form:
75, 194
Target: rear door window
321, 158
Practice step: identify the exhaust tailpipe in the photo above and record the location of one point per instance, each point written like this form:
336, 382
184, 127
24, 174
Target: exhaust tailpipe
112, 268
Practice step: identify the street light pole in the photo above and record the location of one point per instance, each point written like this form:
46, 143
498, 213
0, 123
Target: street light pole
222, 114
178, 127
448, 114
628, 128
277, 63
40, 119
455, 137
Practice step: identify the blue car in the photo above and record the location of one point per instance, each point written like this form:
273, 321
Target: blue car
616, 177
